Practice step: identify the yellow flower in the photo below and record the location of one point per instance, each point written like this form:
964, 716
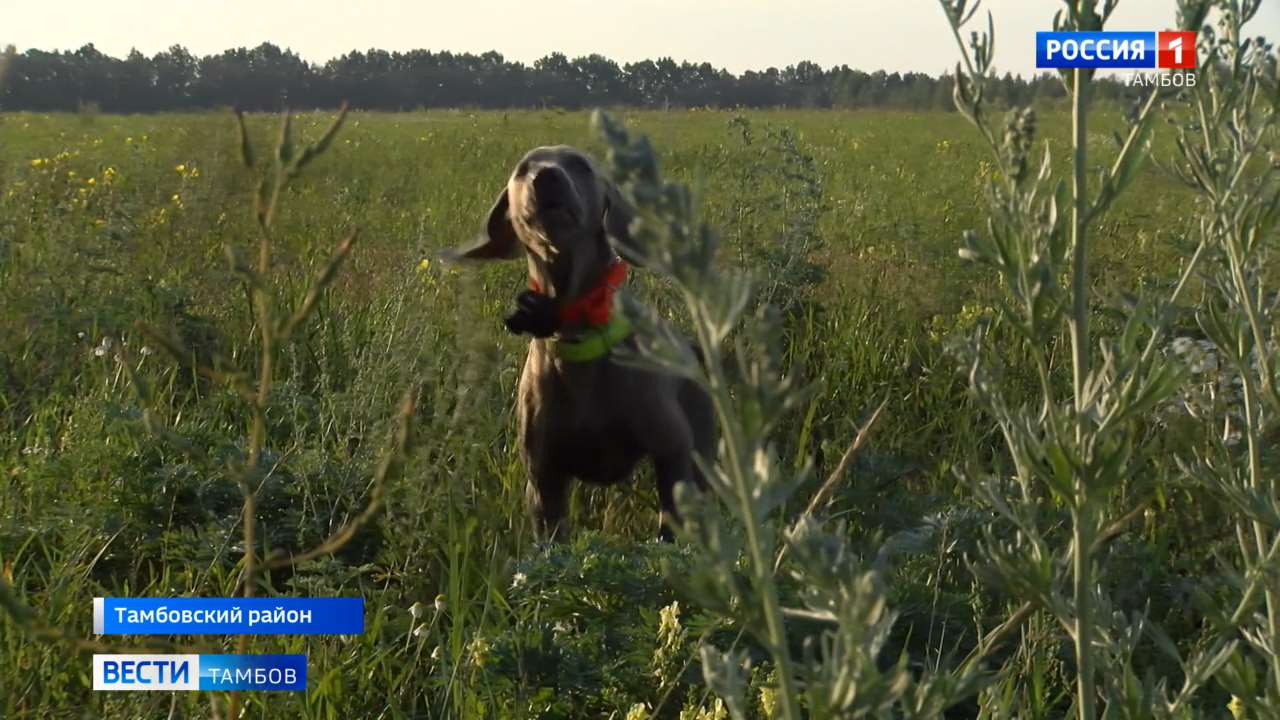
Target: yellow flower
37, 162
1236, 707
91, 181
425, 264
99, 222
479, 648
177, 199
128, 141
769, 702
71, 173
181, 169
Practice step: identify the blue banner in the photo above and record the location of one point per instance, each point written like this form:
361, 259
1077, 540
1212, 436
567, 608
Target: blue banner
1104, 49
199, 672
228, 616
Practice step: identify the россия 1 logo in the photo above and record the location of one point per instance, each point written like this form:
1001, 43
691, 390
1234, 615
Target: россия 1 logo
1117, 50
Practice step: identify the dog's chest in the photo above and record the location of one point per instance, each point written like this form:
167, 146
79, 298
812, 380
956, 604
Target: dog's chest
585, 431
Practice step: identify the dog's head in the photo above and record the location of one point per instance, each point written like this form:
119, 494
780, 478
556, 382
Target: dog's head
559, 208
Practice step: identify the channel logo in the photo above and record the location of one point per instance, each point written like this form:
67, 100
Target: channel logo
1116, 50
199, 672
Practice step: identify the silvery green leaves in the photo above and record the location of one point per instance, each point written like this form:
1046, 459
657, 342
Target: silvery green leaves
1072, 454
1226, 129
740, 541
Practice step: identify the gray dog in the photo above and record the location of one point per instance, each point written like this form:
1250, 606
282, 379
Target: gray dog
581, 414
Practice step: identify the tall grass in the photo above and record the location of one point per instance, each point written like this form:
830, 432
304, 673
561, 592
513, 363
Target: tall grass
831, 575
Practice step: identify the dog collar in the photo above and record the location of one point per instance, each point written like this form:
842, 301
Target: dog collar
594, 310
595, 305
594, 342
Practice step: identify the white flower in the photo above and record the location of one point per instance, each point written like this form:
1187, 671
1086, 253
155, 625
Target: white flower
104, 347
415, 610
519, 580
440, 603
420, 631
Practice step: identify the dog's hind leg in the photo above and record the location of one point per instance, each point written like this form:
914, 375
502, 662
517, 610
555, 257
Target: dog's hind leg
669, 469
701, 415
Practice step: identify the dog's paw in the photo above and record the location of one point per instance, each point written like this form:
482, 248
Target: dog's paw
535, 314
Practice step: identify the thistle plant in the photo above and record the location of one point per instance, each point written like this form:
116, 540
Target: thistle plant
1080, 451
825, 645
1226, 152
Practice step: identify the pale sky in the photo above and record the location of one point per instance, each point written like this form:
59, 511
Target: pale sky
901, 35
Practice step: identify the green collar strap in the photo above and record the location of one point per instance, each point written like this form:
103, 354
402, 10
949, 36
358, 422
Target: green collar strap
593, 342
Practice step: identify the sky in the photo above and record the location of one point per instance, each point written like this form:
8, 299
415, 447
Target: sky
894, 35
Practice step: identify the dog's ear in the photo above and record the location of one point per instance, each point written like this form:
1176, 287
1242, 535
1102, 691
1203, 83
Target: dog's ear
618, 216
497, 242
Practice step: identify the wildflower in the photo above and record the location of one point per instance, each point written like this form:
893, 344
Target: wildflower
639, 711
439, 603
182, 169
147, 350
479, 649
37, 162
91, 181
71, 173
420, 630
109, 174
769, 702
717, 711
1236, 708
424, 265
104, 347
520, 578
669, 619
435, 653
415, 610
128, 141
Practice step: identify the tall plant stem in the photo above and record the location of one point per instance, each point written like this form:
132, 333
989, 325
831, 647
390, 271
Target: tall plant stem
1082, 517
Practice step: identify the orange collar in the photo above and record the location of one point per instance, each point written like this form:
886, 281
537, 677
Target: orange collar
592, 307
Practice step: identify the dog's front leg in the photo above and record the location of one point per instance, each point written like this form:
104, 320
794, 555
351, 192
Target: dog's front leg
546, 495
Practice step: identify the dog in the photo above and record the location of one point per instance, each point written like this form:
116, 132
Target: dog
581, 414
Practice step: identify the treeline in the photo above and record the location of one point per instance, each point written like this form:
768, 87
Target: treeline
270, 78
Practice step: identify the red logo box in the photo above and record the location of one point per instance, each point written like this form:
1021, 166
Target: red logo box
1176, 50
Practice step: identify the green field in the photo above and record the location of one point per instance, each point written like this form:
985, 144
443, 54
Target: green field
108, 220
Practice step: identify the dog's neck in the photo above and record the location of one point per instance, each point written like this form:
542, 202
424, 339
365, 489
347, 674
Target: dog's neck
568, 287
589, 306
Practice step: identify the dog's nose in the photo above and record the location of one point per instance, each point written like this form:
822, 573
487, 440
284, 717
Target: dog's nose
550, 185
